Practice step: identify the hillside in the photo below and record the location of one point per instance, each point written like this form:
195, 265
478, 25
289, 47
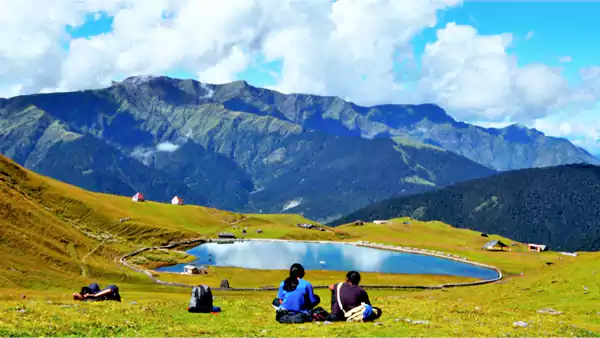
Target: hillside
55, 238
52, 233
164, 137
556, 206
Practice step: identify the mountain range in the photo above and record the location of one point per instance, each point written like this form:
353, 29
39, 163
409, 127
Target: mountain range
555, 206
242, 148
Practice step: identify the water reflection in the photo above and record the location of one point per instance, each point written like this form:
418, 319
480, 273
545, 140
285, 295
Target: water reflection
337, 256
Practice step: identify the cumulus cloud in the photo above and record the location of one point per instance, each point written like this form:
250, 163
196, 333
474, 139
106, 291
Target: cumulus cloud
344, 48
582, 127
475, 77
33, 34
146, 155
167, 147
226, 69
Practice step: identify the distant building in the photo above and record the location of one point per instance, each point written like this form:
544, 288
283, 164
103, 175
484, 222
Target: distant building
359, 222
226, 235
495, 245
381, 222
138, 197
177, 200
572, 254
306, 226
191, 270
536, 247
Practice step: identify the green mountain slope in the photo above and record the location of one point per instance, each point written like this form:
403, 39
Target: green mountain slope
165, 137
513, 147
556, 206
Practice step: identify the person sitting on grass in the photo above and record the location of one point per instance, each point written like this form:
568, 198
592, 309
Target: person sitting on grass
295, 298
351, 296
93, 293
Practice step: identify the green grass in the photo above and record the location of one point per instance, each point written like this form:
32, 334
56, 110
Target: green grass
54, 238
244, 278
153, 259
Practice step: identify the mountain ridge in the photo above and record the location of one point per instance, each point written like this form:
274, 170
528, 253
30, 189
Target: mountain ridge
242, 148
524, 147
511, 147
163, 140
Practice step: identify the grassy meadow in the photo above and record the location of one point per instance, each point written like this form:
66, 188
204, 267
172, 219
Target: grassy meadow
55, 238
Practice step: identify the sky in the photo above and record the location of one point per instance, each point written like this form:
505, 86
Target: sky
491, 63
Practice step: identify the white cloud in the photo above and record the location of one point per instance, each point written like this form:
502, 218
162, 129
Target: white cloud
10, 91
565, 59
582, 127
292, 204
529, 35
31, 50
167, 147
346, 48
475, 78
209, 93
226, 69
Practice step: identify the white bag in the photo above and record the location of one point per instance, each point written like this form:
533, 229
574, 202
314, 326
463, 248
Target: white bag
353, 315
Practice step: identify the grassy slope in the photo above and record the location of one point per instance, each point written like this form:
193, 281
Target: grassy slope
43, 255
43, 246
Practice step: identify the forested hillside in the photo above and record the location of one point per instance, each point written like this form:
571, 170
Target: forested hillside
557, 206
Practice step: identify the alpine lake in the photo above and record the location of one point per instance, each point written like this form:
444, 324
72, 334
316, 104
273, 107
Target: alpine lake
343, 257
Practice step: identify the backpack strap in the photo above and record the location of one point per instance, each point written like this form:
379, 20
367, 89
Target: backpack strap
339, 299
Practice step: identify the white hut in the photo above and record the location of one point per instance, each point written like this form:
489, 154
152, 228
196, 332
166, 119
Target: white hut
138, 197
191, 270
177, 200
381, 222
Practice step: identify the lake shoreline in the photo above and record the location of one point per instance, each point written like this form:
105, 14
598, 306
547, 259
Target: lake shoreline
358, 243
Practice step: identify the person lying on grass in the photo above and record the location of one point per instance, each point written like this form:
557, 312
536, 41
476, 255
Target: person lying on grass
93, 293
295, 298
355, 304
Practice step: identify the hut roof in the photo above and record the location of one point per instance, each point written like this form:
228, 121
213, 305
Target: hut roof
494, 243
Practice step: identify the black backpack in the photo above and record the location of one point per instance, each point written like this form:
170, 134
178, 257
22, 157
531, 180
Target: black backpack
201, 300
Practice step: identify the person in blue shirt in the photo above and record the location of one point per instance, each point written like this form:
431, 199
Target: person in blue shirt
295, 298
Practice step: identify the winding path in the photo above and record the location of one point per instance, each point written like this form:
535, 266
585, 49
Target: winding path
123, 260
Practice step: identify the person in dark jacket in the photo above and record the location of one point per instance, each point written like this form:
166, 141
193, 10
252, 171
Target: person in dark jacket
93, 293
351, 296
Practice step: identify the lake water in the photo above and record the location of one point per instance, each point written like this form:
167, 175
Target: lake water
337, 256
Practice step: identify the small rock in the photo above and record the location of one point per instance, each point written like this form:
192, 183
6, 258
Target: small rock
327, 322
23, 296
420, 322
520, 324
549, 311
263, 331
379, 324
133, 303
478, 308
49, 302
